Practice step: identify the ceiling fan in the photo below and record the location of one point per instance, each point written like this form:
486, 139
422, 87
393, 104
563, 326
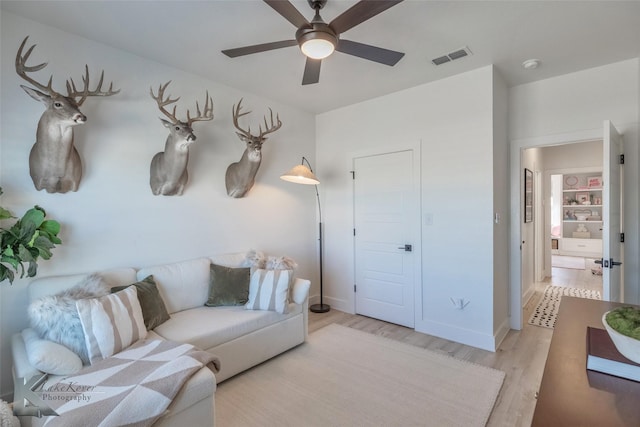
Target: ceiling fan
317, 39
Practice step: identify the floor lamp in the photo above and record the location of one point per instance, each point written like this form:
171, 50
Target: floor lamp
302, 174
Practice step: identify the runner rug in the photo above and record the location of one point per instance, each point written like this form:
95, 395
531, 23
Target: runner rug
345, 377
547, 309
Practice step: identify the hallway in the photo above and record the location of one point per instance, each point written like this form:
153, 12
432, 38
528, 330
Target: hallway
574, 278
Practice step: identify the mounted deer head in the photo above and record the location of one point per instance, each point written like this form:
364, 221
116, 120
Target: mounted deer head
241, 175
54, 162
169, 168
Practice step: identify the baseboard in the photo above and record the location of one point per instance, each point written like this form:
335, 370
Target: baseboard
460, 335
502, 332
527, 295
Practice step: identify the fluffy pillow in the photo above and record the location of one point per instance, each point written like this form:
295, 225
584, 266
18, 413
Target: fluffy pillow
269, 290
48, 356
154, 311
55, 317
228, 286
256, 259
111, 323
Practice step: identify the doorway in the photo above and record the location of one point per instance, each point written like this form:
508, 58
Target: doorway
573, 254
528, 153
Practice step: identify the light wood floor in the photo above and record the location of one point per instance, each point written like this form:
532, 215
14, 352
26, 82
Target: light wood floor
521, 355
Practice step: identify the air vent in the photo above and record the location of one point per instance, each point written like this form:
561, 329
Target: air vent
452, 56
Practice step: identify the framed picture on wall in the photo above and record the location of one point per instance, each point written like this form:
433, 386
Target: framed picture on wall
528, 195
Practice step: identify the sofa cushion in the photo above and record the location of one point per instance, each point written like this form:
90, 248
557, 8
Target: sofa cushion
154, 310
208, 327
48, 356
228, 286
55, 317
236, 259
183, 285
269, 290
111, 323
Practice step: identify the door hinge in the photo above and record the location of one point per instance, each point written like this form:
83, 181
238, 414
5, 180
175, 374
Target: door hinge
621, 237
354, 288
354, 231
353, 174
622, 159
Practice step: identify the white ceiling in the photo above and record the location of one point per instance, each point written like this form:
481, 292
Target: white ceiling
565, 35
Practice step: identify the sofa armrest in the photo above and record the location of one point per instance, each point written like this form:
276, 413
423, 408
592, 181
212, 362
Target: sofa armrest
21, 366
300, 291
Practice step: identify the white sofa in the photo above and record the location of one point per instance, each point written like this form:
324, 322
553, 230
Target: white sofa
240, 338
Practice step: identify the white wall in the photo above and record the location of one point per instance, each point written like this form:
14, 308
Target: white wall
114, 220
453, 120
574, 106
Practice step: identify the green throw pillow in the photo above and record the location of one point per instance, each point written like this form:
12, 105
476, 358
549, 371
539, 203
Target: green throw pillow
228, 286
154, 311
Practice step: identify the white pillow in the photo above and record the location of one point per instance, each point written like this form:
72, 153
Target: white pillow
182, 285
269, 290
111, 323
48, 356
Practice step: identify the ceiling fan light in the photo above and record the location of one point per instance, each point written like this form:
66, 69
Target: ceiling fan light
317, 48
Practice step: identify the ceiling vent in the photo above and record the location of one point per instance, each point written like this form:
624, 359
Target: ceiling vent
452, 56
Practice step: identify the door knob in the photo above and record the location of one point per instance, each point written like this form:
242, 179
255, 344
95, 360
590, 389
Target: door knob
407, 248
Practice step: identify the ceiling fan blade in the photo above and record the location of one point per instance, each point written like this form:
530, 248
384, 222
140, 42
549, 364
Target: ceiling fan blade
311, 71
372, 53
360, 12
289, 12
256, 48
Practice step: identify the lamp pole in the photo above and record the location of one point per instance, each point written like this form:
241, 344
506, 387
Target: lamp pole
319, 308
302, 174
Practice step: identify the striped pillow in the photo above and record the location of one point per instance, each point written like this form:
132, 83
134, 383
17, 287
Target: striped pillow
111, 323
269, 290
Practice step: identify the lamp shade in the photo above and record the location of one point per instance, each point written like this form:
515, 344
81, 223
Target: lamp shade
300, 174
317, 48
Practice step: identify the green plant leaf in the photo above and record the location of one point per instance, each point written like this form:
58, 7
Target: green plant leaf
5, 214
33, 216
6, 273
50, 226
29, 238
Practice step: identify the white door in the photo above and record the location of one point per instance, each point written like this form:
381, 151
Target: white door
386, 232
611, 215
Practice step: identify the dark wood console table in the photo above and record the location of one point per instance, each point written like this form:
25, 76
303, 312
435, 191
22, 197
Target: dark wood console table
570, 395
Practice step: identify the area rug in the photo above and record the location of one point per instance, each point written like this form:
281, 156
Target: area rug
546, 311
573, 262
345, 377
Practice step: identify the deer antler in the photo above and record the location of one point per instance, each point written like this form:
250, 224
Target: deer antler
272, 128
162, 103
247, 133
22, 68
236, 114
208, 111
73, 92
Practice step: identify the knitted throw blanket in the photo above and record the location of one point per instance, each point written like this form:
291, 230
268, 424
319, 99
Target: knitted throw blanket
132, 388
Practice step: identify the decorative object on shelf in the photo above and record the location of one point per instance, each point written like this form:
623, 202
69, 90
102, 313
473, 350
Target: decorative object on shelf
581, 214
528, 195
594, 182
168, 172
241, 175
571, 181
597, 200
623, 326
582, 232
583, 198
302, 174
54, 161
30, 238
